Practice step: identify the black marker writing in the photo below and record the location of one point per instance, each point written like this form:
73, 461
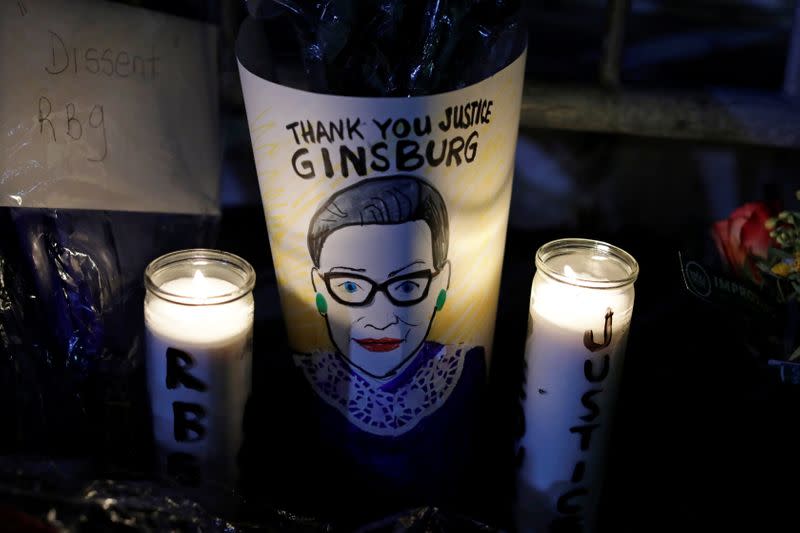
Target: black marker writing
407, 155
404, 144
585, 431
307, 132
178, 365
467, 115
589, 403
91, 129
589, 373
596, 368
186, 419
578, 472
108, 62
588, 336
72, 122
566, 503
97, 121
45, 107
401, 127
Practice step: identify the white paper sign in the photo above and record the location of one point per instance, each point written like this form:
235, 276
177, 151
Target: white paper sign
105, 106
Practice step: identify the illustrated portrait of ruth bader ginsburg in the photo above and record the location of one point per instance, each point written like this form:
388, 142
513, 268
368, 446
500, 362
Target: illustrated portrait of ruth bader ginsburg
381, 274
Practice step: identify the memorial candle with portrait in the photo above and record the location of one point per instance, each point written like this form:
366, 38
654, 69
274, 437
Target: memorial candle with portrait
387, 220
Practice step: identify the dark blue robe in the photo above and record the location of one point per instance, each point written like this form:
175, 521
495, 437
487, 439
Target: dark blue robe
427, 464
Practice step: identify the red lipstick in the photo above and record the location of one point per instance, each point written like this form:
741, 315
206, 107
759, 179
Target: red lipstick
384, 344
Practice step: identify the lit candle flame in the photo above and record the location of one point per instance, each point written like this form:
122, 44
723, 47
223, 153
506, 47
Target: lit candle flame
199, 284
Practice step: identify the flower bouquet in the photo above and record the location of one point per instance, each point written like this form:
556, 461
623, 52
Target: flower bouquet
760, 251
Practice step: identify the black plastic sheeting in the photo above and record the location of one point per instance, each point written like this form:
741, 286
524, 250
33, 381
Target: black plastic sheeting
380, 47
48, 496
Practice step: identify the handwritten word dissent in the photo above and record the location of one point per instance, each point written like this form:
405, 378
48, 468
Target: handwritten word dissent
96, 61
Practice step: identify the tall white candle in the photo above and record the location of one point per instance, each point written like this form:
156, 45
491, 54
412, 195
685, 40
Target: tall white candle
199, 322
581, 303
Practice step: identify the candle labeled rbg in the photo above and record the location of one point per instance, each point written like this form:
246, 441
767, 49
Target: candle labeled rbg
199, 322
581, 304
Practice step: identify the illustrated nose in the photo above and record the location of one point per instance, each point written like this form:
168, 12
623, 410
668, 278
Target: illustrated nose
382, 312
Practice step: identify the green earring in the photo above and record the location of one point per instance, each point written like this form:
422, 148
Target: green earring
441, 299
322, 305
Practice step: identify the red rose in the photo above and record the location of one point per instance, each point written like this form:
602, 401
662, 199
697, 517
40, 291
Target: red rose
744, 236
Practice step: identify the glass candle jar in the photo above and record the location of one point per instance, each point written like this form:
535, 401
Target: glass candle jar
199, 327
580, 314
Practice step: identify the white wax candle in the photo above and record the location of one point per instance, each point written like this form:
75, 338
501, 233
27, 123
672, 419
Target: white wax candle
570, 386
198, 376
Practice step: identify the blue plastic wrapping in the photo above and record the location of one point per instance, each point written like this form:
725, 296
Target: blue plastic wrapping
71, 294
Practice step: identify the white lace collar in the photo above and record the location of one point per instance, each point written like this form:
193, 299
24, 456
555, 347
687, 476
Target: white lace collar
385, 408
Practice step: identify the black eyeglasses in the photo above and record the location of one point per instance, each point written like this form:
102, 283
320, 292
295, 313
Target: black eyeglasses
356, 290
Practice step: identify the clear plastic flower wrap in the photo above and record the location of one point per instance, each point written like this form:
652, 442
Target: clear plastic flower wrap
381, 47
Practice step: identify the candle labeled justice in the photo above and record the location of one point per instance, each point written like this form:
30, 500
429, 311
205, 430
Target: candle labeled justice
580, 313
199, 321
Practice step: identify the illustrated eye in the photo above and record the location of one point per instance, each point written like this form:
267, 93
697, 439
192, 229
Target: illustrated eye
350, 286
408, 287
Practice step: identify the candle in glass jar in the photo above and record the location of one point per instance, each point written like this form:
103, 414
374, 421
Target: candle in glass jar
580, 313
199, 325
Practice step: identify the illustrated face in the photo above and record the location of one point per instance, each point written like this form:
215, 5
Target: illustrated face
381, 286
